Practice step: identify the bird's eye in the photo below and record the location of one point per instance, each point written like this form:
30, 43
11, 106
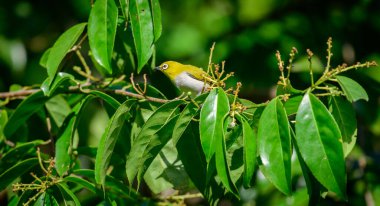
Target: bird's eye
165, 66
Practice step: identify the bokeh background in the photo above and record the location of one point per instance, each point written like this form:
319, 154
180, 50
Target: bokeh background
247, 34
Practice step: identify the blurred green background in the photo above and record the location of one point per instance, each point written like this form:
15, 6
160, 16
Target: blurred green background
247, 34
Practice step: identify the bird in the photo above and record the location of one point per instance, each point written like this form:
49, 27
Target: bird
187, 78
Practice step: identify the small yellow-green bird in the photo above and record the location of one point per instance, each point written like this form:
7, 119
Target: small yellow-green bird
187, 78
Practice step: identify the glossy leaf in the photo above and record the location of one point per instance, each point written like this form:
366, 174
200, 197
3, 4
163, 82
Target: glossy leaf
249, 150
274, 146
186, 116
344, 115
144, 150
46, 199
352, 89
16, 171
61, 47
142, 30
81, 181
49, 87
109, 139
69, 197
149, 132
102, 31
222, 166
63, 146
156, 15
312, 185
107, 98
319, 141
27, 108
214, 109
44, 58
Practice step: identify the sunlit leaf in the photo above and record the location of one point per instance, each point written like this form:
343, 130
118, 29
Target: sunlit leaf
63, 145
344, 115
61, 47
146, 148
49, 87
221, 163
185, 118
213, 112
142, 29
320, 144
102, 31
156, 15
249, 150
109, 139
352, 89
274, 146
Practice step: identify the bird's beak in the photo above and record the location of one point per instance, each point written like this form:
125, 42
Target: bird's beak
157, 68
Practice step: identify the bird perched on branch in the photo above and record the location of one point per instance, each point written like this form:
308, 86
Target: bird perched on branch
187, 78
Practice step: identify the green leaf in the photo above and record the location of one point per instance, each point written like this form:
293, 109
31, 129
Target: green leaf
319, 141
153, 136
80, 181
352, 89
124, 4
3, 121
49, 87
69, 197
312, 184
186, 116
166, 172
214, 109
110, 183
142, 30
46, 199
63, 146
107, 98
61, 47
18, 153
102, 25
292, 104
344, 114
249, 151
109, 139
274, 146
16, 171
193, 159
156, 15
27, 108
222, 166
58, 109
44, 58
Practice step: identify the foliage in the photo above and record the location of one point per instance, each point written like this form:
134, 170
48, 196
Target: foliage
215, 146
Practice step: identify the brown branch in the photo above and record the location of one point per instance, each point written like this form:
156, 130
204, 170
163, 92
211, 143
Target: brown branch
17, 94
25, 93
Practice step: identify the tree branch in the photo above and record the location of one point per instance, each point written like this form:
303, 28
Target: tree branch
75, 89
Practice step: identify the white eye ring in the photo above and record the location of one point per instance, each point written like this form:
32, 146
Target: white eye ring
165, 66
